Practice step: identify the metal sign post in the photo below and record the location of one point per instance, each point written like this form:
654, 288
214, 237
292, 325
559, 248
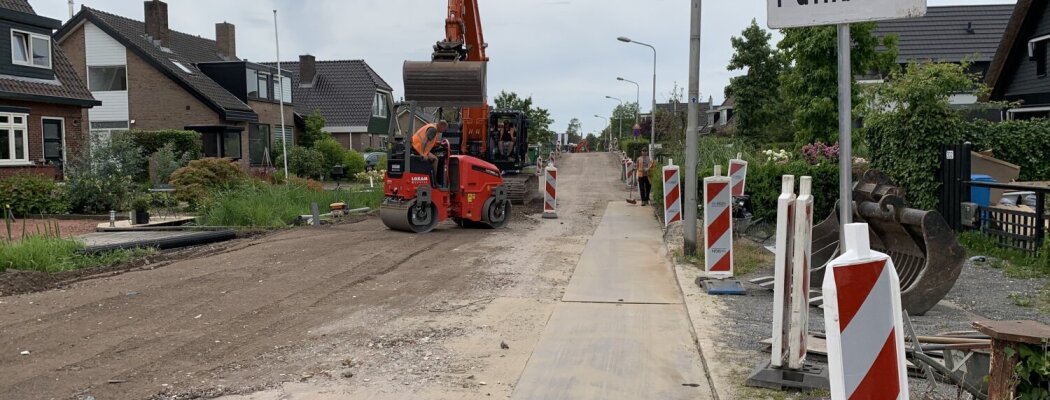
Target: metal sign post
845, 130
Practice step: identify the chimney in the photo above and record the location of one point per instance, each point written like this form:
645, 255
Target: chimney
226, 40
307, 70
157, 21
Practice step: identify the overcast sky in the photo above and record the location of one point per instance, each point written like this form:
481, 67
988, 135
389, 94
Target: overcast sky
563, 53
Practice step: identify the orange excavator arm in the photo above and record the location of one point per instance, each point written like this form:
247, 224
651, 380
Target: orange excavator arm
463, 26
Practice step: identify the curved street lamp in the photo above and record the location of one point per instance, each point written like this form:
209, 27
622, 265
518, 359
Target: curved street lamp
637, 95
652, 141
620, 134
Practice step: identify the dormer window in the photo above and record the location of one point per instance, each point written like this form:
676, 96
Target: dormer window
379, 106
30, 49
1037, 52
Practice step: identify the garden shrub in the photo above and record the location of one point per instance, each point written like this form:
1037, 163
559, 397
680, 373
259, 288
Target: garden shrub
306, 184
33, 194
355, 163
165, 162
633, 147
104, 180
333, 153
1025, 143
199, 178
151, 141
304, 162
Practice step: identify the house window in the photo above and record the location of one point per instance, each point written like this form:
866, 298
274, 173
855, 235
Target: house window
253, 84
14, 139
108, 79
54, 137
258, 144
285, 133
264, 86
182, 66
30, 49
286, 90
379, 106
102, 131
1037, 53
222, 144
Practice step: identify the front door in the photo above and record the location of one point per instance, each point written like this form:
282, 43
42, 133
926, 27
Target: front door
54, 146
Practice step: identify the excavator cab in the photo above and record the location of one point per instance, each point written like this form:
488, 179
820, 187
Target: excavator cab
500, 123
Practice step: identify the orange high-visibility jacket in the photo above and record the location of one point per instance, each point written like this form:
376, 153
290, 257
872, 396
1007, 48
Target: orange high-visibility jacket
420, 137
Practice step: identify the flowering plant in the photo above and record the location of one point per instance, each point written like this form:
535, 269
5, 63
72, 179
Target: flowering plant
819, 152
777, 156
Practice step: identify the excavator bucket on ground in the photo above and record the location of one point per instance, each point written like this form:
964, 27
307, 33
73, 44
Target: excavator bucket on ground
445, 83
923, 247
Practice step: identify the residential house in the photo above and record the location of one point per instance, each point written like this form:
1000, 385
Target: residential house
354, 100
950, 34
42, 100
1019, 71
151, 77
423, 116
720, 119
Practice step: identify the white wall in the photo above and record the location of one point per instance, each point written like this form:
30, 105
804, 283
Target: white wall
103, 50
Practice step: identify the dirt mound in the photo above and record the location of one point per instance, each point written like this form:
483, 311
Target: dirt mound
15, 282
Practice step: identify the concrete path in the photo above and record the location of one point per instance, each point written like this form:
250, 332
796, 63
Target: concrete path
621, 330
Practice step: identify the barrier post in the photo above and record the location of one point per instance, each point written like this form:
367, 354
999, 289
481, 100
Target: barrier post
738, 173
718, 226
782, 270
864, 323
800, 276
672, 194
550, 195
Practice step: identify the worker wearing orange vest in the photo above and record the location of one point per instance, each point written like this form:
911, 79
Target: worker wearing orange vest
424, 140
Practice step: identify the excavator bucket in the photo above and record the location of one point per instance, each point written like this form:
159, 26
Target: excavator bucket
923, 247
445, 83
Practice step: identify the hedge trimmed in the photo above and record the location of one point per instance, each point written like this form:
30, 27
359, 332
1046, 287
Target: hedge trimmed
151, 141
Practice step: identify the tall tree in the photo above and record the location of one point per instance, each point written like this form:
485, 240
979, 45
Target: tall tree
573, 131
759, 111
810, 84
623, 119
540, 118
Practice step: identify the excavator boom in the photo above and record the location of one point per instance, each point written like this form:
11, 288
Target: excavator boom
456, 75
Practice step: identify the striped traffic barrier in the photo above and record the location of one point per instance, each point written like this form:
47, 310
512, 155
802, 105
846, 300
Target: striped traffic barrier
672, 194
782, 281
718, 226
550, 194
738, 174
864, 324
800, 275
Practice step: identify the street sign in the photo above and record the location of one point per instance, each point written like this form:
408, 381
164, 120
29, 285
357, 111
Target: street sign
798, 13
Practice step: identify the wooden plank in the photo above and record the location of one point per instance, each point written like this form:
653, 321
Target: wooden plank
1029, 332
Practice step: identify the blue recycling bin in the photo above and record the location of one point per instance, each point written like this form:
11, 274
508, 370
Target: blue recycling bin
982, 196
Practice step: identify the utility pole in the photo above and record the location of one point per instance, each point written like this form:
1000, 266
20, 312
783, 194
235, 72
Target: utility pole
692, 151
280, 83
845, 130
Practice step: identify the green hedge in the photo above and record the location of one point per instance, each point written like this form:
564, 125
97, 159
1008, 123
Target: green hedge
633, 147
33, 194
151, 141
1025, 143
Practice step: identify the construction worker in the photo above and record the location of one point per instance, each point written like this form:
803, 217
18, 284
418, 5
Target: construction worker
644, 166
426, 138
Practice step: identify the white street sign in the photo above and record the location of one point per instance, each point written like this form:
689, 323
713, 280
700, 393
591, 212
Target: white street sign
797, 13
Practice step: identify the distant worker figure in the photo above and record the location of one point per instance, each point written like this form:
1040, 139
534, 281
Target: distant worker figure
426, 138
645, 166
507, 135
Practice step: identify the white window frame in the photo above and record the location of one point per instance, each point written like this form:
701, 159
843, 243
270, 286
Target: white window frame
29, 50
11, 127
43, 139
380, 108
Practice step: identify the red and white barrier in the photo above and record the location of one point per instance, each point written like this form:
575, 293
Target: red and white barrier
865, 327
672, 194
550, 194
718, 226
803, 241
738, 174
782, 281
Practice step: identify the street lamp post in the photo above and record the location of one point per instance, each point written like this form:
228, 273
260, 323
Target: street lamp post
652, 140
619, 135
637, 96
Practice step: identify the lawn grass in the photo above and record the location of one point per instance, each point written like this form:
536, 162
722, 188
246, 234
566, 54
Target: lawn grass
49, 254
276, 206
1015, 264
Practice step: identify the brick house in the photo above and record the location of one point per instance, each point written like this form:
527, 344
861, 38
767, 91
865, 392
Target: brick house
354, 100
42, 100
150, 77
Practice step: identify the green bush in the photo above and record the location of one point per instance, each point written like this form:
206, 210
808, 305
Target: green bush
33, 194
195, 182
165, 162
260, 205
333, 152
105, 179
633, 147
184, 142
764, 184
304, 162
49, 254
355, 163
